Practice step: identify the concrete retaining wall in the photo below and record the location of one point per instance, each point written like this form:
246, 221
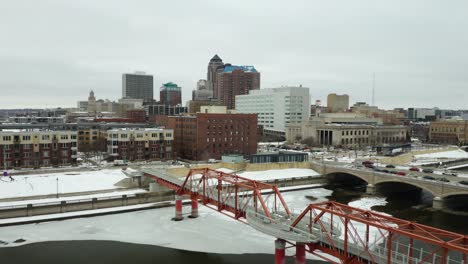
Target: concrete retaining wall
83, 205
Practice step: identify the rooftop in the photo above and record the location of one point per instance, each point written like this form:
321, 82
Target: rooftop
216, 58
245, 68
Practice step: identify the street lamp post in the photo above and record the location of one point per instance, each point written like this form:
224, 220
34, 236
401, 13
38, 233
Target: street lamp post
57, 187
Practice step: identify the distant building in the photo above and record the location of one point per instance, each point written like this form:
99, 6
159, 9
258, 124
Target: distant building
170, 94
214, 66
137, 85
337, 103
91, 103
235, 80
194, 105
202, 92
422, 114
82, 105
276, 107
37, 120
349, 130
140, 144
157, 110
37, 148
210, 135
453, 131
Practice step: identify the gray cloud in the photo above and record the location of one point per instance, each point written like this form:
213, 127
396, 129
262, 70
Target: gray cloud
53, 52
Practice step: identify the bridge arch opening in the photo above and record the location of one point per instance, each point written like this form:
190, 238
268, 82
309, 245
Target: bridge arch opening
456, 202
345, 179
401, 194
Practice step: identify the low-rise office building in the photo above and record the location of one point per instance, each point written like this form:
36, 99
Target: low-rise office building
213, 133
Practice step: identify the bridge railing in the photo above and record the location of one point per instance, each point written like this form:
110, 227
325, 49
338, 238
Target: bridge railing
278, 226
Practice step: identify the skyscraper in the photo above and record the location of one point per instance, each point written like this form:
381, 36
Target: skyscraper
170, 94
137, 85
235, 80
214, 66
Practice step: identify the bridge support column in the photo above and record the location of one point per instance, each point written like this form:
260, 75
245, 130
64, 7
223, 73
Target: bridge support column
370, 189
300, 253
194, 209
178, 208
437, 203
280, 251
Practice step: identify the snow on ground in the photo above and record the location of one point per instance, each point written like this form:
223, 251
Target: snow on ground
152, 227
297, 200
44, 184
454, 154
278, 174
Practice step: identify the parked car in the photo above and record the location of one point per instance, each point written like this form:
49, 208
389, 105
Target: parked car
393, 172
401, 173
386, 171
390, 166
444, 180
428, 170
414, 169
427, 177
463, 182
367, 162
370, 166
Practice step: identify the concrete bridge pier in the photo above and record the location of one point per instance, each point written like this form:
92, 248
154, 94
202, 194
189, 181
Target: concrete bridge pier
370, 189
300, 253
280, 251
437, 203
194, 209
178, 208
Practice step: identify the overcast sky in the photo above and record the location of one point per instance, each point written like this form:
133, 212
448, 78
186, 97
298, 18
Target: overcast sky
52, 53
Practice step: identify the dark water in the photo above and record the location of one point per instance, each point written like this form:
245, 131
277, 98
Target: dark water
411, 205
94, 252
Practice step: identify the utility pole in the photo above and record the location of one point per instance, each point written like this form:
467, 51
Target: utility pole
373, 90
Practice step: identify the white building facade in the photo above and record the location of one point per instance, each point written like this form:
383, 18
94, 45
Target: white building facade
276, 107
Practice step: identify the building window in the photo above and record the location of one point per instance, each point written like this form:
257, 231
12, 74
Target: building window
6, 138
26, 137
45, 137
63, 136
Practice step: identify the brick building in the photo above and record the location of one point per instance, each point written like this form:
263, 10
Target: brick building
37, 148
235, 80
140, 144
170, 94
451, 131
210, 135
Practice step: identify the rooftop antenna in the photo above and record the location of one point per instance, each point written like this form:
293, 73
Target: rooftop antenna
373, 90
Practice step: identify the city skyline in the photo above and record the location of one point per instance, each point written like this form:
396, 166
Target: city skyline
57, 52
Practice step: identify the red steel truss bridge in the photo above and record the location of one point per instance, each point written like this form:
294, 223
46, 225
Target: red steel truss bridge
335, 232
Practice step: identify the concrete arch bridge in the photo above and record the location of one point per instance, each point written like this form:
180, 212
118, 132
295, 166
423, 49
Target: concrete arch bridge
440, 190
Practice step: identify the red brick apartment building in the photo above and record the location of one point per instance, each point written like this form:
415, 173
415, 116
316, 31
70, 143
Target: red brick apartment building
210, 135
